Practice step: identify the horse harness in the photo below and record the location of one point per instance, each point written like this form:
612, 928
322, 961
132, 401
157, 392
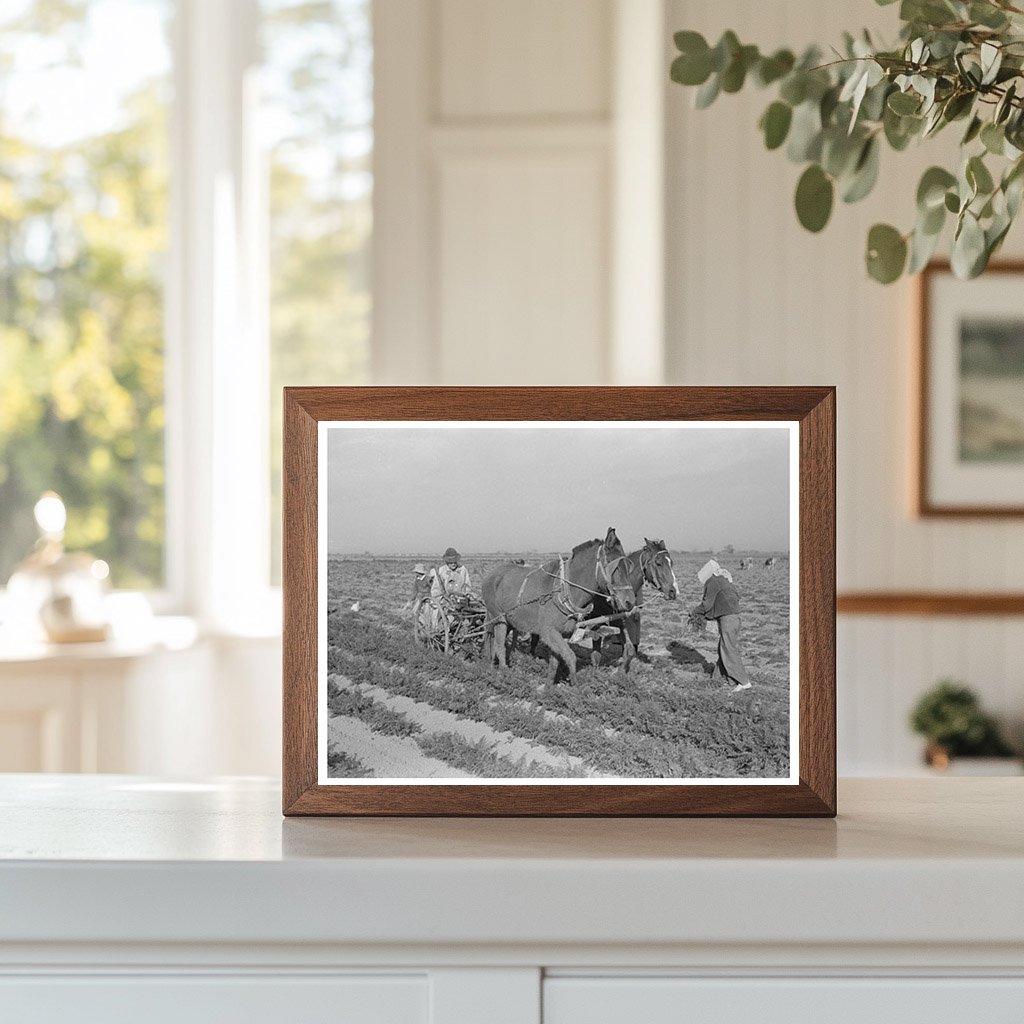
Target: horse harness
562, 596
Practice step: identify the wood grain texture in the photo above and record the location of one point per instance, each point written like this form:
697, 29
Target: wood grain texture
925, 603
299, 596
812, 407
923, 503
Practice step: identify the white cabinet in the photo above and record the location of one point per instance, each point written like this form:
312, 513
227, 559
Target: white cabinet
127, 899
216, 1000
99, 707
827, 1000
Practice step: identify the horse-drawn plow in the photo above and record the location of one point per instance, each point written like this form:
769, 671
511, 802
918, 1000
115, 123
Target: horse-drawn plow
461, 626
451, 625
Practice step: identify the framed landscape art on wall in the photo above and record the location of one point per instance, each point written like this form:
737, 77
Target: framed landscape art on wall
970, 451
559, 601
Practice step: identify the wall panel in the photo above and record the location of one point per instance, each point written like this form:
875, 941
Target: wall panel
530, 58
518, 274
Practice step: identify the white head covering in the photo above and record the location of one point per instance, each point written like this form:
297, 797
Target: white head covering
712, 568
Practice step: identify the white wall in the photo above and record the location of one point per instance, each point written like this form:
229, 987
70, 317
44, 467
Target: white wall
754, 299
504, 132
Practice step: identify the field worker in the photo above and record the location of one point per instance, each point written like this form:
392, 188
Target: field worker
452, 578
420, 586
722, 603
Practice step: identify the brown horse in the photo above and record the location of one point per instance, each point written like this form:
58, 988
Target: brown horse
650, 564
549, 600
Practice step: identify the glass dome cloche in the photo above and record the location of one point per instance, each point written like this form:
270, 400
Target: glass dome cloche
57, 595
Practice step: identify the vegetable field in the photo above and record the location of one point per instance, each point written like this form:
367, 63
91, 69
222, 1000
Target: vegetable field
398, 710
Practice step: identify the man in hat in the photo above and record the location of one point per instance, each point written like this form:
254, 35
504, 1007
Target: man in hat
721, 602
452, 578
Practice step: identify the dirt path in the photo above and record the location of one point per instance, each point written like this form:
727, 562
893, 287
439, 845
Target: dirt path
502, 744
388, 757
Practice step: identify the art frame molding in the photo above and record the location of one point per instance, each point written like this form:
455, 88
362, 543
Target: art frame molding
813, 408
924, 506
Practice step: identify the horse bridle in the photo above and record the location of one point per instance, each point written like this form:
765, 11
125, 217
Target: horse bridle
650, 561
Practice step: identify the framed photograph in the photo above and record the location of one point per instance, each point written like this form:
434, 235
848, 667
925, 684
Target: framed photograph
970, 451
559, 601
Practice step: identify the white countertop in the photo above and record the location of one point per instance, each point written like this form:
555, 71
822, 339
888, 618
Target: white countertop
121, 859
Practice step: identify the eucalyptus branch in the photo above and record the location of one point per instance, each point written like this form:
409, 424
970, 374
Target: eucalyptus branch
954, 60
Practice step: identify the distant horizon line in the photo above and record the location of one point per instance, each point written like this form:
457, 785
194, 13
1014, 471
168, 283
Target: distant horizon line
738, 552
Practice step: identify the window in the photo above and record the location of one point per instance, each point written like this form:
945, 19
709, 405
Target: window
167, 264
83, 236
317, 116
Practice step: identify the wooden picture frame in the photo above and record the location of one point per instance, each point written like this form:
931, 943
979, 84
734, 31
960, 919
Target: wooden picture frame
808, 413
973, 488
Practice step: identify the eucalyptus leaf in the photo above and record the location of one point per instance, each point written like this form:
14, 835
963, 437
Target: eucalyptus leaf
922, 247
771, 69
968, 247
865, 173
973, 130
735, 74
805, 133
873, 106
978, 176
775, 124
987, 15
952, 202
991, 60
932, 221
814, 196
1005, 105
840, 152
900, 130
993, 138
725, 50
958, 105
707, 93
1013, 187
886, 253
904, 103
794, 88
931, 190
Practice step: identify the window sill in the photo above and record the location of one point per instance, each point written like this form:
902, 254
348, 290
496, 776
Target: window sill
160, 633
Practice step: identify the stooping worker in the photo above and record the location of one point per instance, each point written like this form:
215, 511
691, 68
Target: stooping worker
721, 602
452, 578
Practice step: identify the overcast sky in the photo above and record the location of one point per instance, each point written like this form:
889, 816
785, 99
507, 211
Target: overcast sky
418, 490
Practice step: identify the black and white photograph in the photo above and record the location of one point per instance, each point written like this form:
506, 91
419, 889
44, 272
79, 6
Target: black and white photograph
591, 602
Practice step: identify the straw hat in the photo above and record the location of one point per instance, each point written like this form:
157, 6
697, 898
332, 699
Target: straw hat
451, 555
419, 569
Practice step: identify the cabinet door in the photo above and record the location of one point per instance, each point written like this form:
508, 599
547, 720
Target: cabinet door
202, 999
783, 1000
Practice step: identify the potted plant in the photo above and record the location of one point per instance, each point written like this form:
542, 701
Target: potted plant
950, 717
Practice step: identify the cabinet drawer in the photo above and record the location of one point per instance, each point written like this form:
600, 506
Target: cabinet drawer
783, 1000
202, 999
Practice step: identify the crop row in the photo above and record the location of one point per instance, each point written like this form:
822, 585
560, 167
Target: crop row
645, 724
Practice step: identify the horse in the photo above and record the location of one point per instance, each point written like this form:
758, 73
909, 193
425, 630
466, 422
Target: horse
550, 600
650, 564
